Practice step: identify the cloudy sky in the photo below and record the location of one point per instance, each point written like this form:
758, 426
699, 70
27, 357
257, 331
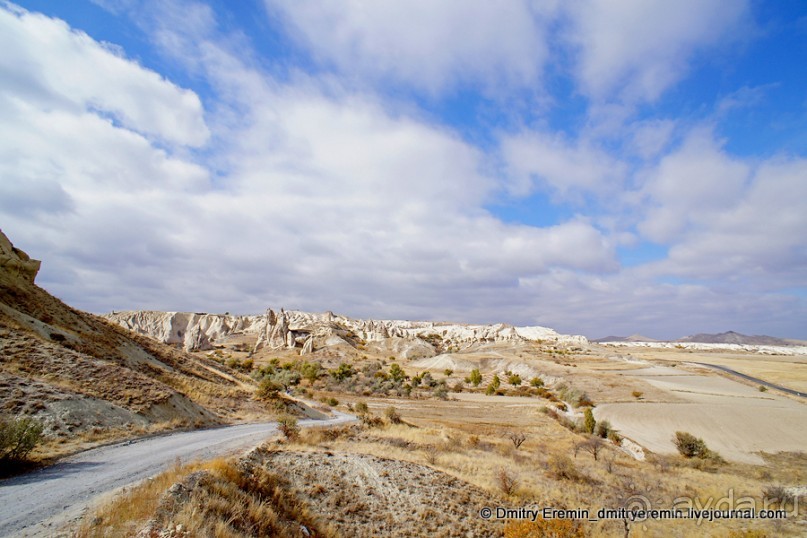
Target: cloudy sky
596, 166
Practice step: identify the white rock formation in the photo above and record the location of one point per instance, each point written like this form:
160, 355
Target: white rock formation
311, 331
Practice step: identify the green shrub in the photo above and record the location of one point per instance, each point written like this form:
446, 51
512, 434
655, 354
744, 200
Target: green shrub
589, 422
690, 446
343, 372
514, 379
268, 389
19, 436
537, 382
397, 374
475, 378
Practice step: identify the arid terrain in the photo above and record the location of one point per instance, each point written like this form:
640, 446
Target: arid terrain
451, 419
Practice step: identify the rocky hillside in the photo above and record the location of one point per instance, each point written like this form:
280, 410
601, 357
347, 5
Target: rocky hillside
81, 374
310, 331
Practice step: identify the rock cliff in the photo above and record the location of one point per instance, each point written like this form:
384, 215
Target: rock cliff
308, 331
15, 263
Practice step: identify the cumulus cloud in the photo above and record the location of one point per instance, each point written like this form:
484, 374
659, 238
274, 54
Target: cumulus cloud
567, 168
322, 199
633, 50
427, 45
689, 185
48, 62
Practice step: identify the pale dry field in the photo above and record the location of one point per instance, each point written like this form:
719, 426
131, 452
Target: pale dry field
788, 371
735, 419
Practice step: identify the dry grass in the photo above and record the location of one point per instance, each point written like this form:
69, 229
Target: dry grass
217, 498
129, 510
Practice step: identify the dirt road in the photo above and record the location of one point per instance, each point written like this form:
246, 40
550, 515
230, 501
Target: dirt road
38, 504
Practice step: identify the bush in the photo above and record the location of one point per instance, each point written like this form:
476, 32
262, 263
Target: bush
614, 437
476, 377
562, 468
268, 389
637, 394
690, 446
19, 436
392, 415
514, 379
537, 382
603, 429
506, 481
361, 408
288, 427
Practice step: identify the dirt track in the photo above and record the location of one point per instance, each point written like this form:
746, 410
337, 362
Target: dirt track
38, 504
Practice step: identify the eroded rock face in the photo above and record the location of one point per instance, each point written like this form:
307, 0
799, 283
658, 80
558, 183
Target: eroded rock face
311, 331
15, 263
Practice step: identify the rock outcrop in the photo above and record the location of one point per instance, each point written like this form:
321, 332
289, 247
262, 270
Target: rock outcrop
310, 331
16, 263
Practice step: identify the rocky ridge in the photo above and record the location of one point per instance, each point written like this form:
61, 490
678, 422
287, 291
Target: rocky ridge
307, 331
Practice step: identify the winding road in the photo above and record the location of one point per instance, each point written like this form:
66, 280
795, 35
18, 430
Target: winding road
753, 379
39, 503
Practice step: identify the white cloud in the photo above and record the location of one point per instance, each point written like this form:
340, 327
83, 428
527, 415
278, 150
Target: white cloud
424, 44
758, 239
633, 50
689, 185
45, 60
568, 168
323, 199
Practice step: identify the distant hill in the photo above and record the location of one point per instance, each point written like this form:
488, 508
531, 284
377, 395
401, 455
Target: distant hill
732, 337
631, 338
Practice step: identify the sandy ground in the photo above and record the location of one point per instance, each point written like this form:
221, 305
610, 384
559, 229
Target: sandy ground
734, 419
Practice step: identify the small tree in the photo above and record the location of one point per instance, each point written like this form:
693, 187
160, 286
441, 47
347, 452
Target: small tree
496, 382
397, 374
592, 445
589, 421
475, 377
517, 438
19, 436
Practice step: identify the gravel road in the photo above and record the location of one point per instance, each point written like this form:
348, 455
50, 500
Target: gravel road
39, 503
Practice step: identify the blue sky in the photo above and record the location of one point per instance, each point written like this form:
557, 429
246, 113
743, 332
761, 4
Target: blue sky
597, 167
